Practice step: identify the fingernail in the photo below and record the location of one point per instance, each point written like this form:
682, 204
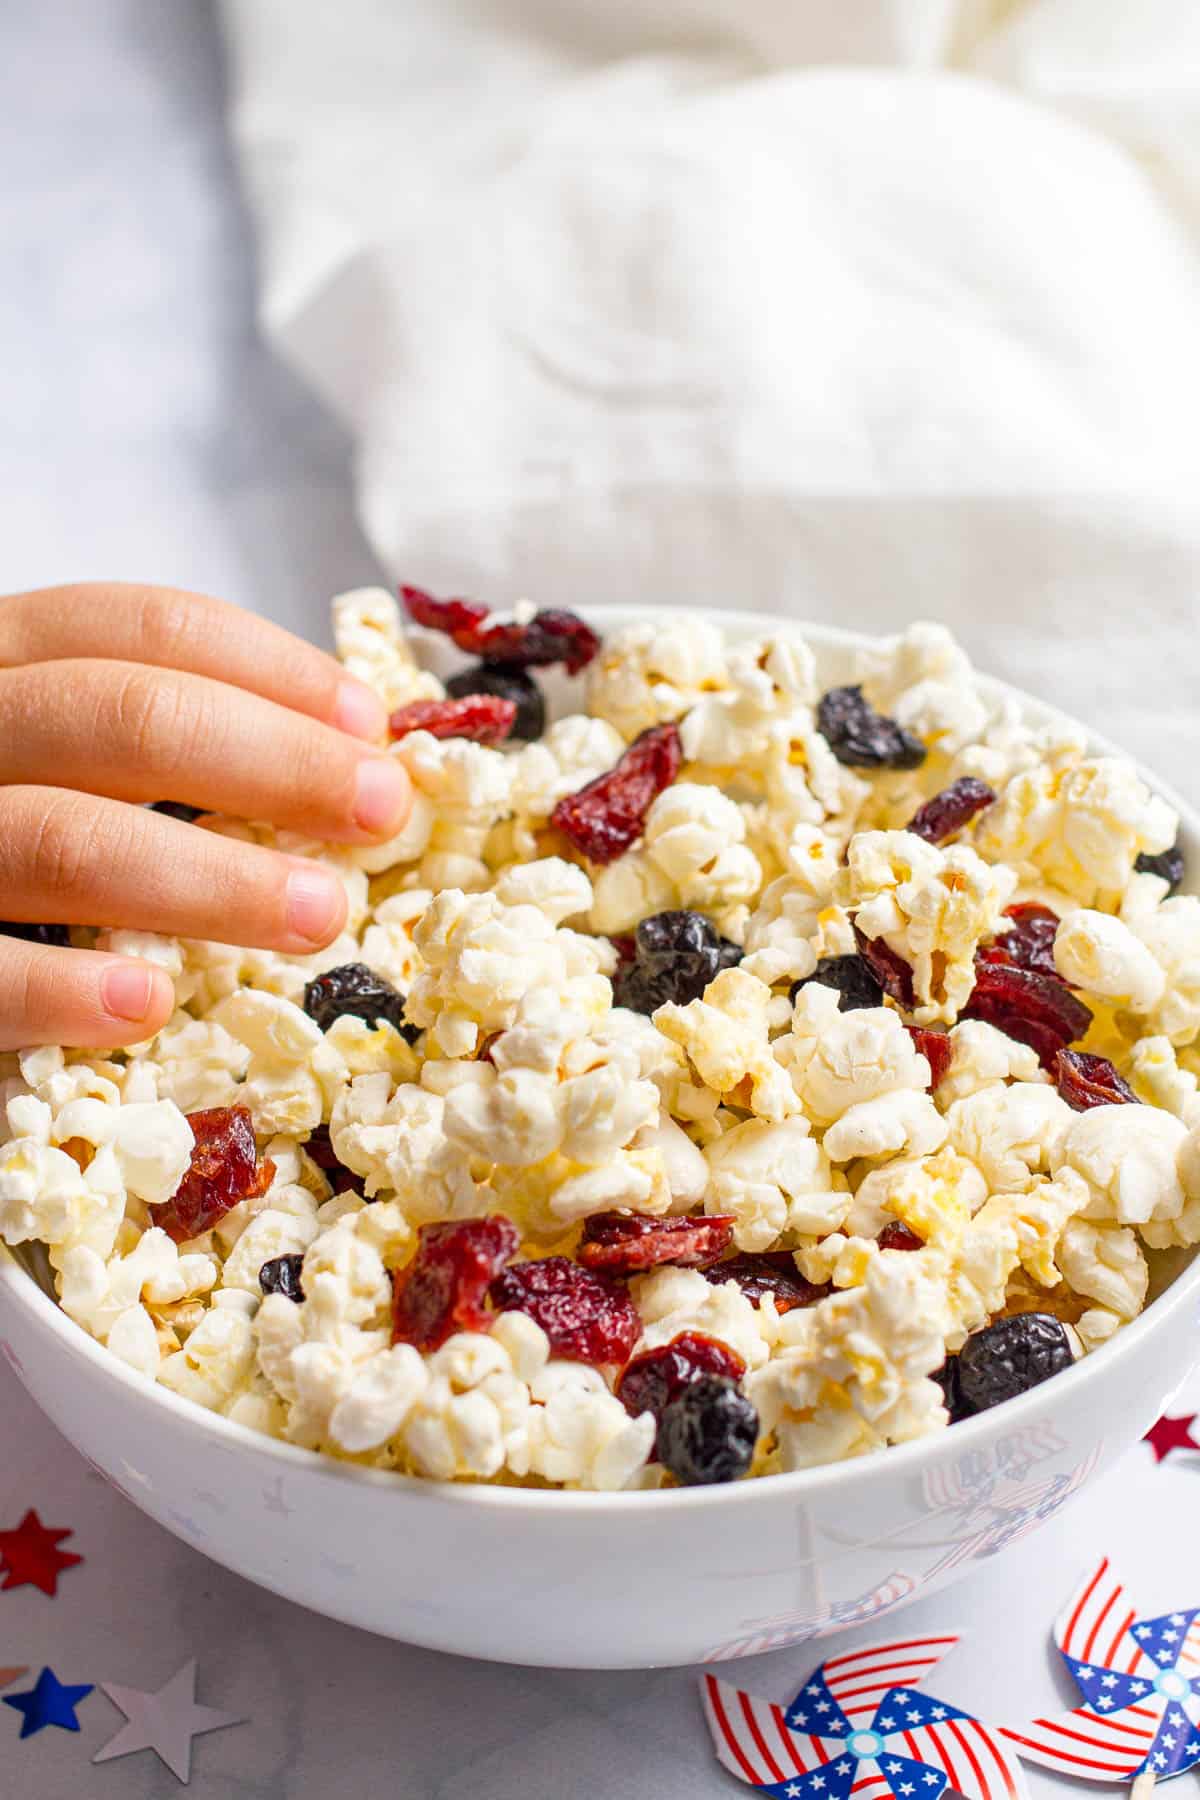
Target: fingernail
358, 711
126, 990
380, 795
314, 903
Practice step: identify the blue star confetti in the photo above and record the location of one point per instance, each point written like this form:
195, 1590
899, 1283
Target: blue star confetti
48, 1702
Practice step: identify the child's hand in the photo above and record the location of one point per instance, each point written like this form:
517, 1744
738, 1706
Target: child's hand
112, 695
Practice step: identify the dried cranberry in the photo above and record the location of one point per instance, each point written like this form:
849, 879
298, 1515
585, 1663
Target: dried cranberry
1033, 1008
354, 989
851, 976
625, 1243
36, 934
321, 1150
444, 1288
862, 738
223, 1170
897, 1236
1029, 942
1168, 865
889, 969
708, 1433
936, 1048
607, 815
457, 618
950, 810
508, 684
1085, 1081
551, 636
281, 1275
651, 1381
484, 718
675, 956
771, 1272
588, 1318
625, 947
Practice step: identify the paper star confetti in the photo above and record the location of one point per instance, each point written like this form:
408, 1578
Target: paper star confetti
1140, 1679
48, 1702
1171, 1434
858, 1723
165, 1722
9, 1675
30, 1557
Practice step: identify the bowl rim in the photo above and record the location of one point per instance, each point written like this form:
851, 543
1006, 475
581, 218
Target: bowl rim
896, 1460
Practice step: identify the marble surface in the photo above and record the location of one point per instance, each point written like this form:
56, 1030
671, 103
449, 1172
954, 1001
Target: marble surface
149, 434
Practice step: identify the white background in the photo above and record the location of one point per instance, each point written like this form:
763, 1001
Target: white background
147, 433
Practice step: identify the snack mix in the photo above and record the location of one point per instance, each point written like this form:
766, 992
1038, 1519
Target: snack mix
733, 1075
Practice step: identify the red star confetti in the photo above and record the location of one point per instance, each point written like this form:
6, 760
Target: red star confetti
1171, 1434
30, 1557
11, 1674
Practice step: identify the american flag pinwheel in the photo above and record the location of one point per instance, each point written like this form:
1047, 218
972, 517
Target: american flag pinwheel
1140, 1679
860, 1725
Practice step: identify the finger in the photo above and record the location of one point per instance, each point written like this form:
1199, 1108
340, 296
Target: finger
172, 629
69, 859
79, 997
138, 733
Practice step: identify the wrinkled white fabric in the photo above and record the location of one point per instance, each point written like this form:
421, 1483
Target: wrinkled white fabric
845, 311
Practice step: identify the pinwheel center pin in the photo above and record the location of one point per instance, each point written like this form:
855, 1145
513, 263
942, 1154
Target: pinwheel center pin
1171, 1683
865, 1743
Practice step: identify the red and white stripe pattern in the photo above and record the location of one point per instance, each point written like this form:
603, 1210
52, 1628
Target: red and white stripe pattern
752, 1740
974, 1763
1094, 1624
859, 1680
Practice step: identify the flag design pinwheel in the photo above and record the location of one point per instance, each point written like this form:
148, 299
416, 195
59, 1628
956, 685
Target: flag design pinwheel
860, 1725
1140, 1679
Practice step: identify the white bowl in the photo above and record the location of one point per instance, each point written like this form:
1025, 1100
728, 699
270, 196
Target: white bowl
584, 1580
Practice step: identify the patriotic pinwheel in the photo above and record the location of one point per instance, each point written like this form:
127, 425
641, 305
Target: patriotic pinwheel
1140, 1679
859, 1726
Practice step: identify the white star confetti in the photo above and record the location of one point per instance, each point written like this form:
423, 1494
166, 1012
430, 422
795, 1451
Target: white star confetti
165, 1722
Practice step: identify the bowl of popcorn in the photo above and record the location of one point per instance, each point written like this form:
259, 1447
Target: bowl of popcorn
739, 1164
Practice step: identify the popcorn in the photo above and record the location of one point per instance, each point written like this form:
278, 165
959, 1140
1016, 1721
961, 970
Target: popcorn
527, 1093
725, 1036
1079, 828
932, 907
1097, 952
775, 1179
646, 674
837, 1060
1013, 1132
694, 835
369, 636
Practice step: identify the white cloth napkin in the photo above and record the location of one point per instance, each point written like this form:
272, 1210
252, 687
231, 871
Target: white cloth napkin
858, 311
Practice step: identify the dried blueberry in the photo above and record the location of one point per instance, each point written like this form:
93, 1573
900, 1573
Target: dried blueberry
36, 934
353, 988
506, 683
1168, 865
947, 1379
177, 809
708, 1433
676, 955
851, 976
862, 738
281, 1275
1009, 1357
